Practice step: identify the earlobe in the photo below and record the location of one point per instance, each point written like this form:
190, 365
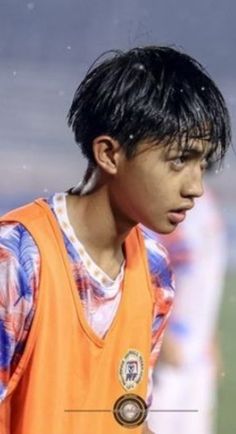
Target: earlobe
107, 153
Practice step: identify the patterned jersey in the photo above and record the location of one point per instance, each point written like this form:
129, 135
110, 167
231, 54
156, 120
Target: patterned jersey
100, 295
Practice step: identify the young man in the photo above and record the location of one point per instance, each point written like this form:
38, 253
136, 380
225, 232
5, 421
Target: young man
85, 294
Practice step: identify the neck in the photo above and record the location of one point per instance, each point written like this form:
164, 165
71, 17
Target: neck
99, 227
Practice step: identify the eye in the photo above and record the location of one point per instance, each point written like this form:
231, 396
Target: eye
204, 164
178, 162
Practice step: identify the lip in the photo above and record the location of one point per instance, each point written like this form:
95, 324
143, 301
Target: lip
178, 215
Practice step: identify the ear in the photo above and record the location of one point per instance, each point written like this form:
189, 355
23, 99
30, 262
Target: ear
107, 153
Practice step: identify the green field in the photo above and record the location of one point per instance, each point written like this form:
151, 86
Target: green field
227, 385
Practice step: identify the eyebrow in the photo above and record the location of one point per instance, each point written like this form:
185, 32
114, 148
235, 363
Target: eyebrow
192, 151
195, 152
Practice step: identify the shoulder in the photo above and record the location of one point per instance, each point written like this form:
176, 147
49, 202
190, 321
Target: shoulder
162, 281
15, 239
158, 259
18, 252
10, 240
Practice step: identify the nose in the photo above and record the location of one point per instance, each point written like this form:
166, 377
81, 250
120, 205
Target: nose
193, 185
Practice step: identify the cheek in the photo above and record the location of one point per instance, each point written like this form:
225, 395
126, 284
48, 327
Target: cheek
147, 186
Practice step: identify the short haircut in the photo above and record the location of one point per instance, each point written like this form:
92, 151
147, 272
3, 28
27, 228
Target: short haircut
150, 93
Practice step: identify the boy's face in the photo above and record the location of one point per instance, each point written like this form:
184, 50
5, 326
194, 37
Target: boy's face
159, 184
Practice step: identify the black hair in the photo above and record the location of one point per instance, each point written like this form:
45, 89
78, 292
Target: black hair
154, 93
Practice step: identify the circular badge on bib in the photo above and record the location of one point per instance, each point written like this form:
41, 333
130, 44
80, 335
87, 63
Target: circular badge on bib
130, 410
131, 369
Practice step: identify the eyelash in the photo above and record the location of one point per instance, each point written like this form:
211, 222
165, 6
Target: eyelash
205, 164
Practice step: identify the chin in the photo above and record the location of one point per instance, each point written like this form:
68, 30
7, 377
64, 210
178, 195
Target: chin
164, 229
168, 231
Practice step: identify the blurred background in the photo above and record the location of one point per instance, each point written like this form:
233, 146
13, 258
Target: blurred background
46, 46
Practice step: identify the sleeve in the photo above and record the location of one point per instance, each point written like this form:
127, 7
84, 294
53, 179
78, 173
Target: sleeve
17, 304
157, 339
164, 290
181, 256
